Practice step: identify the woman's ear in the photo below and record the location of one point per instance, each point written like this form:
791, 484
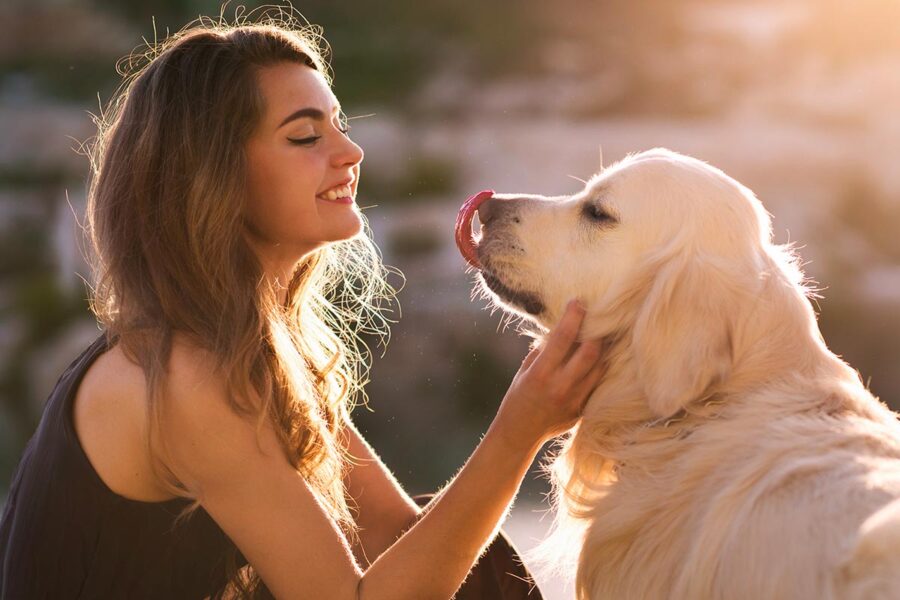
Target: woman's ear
682, 336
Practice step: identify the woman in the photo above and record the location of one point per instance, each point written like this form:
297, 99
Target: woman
202, 445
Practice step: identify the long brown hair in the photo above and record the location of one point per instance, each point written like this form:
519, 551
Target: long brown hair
164, 219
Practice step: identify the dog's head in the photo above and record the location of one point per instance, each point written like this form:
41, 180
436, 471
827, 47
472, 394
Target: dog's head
662, 249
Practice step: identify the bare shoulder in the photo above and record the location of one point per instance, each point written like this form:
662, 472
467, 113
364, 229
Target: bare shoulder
231, 462
110, 419
192, 368
206, 438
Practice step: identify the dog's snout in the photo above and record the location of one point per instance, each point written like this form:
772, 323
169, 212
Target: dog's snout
492, 209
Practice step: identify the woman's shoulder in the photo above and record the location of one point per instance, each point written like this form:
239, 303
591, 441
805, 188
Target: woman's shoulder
111, 414
204, 430
195, 413
110, 419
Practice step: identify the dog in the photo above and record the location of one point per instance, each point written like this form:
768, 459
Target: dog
727, 452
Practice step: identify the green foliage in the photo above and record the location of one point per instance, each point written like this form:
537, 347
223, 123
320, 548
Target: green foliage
482, 379
41, 309
423, 176
33, 301
24, 249
413, 242
381, 51
428, 175
20, 176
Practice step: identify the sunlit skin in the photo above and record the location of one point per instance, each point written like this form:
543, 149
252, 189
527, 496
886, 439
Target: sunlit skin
290, 165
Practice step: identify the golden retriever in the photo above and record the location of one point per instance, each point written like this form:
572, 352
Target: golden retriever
728, 453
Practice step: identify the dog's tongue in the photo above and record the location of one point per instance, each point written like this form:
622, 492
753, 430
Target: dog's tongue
464, 240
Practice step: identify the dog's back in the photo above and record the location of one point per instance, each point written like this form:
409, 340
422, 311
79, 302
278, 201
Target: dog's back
801, 508
873, 571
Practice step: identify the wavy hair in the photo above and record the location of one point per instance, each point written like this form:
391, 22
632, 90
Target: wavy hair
164, 220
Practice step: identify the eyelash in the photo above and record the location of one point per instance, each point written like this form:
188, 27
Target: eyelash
309, 141
305, 141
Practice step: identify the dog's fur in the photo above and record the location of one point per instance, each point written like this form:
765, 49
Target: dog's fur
727, 453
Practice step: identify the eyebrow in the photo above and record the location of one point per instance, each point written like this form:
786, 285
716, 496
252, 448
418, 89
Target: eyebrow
313, 113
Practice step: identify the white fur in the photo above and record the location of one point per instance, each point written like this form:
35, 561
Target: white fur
727, 453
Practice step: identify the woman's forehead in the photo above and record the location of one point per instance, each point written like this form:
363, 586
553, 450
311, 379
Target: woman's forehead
289, 87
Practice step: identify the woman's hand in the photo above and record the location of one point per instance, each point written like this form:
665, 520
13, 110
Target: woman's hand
548, 393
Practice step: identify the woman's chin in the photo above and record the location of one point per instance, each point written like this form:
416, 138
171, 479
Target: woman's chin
355, 224
346, 228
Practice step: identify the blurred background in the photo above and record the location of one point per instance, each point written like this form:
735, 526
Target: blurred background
797, 99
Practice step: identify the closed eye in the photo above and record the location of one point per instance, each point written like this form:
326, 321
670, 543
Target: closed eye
307, 141
597, 214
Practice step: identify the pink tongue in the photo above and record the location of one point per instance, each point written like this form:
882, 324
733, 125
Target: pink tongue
464, 240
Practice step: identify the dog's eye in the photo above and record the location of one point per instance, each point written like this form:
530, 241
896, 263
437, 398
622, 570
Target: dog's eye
595, 212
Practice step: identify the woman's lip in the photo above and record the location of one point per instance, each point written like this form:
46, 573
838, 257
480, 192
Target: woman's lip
344, 200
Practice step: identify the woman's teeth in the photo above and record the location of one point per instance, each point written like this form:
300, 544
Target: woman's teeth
338, 192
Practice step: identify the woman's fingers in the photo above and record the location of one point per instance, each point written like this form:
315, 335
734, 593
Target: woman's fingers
582, 361
548, 393
560, 340
583, 372
530, 358
583, 389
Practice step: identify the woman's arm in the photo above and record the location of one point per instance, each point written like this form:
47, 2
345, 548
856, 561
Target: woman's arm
243, 480
544, 400
383, 511
436, 554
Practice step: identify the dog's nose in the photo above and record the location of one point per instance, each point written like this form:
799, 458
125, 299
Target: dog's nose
490, 209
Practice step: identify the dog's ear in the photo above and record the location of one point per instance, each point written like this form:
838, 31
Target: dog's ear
682, 336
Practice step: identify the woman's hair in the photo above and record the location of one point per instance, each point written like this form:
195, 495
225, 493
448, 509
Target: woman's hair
165, 220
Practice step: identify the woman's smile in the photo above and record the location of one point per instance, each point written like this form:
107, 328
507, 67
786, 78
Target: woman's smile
340, 194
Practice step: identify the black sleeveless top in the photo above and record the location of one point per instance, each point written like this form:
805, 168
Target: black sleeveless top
65, 534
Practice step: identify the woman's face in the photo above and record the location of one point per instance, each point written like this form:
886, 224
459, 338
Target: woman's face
303, 170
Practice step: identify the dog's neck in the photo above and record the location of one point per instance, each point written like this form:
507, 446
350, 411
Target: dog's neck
619, 410
774, 351
619, 434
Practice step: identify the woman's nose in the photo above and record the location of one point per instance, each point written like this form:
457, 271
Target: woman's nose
349, 153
